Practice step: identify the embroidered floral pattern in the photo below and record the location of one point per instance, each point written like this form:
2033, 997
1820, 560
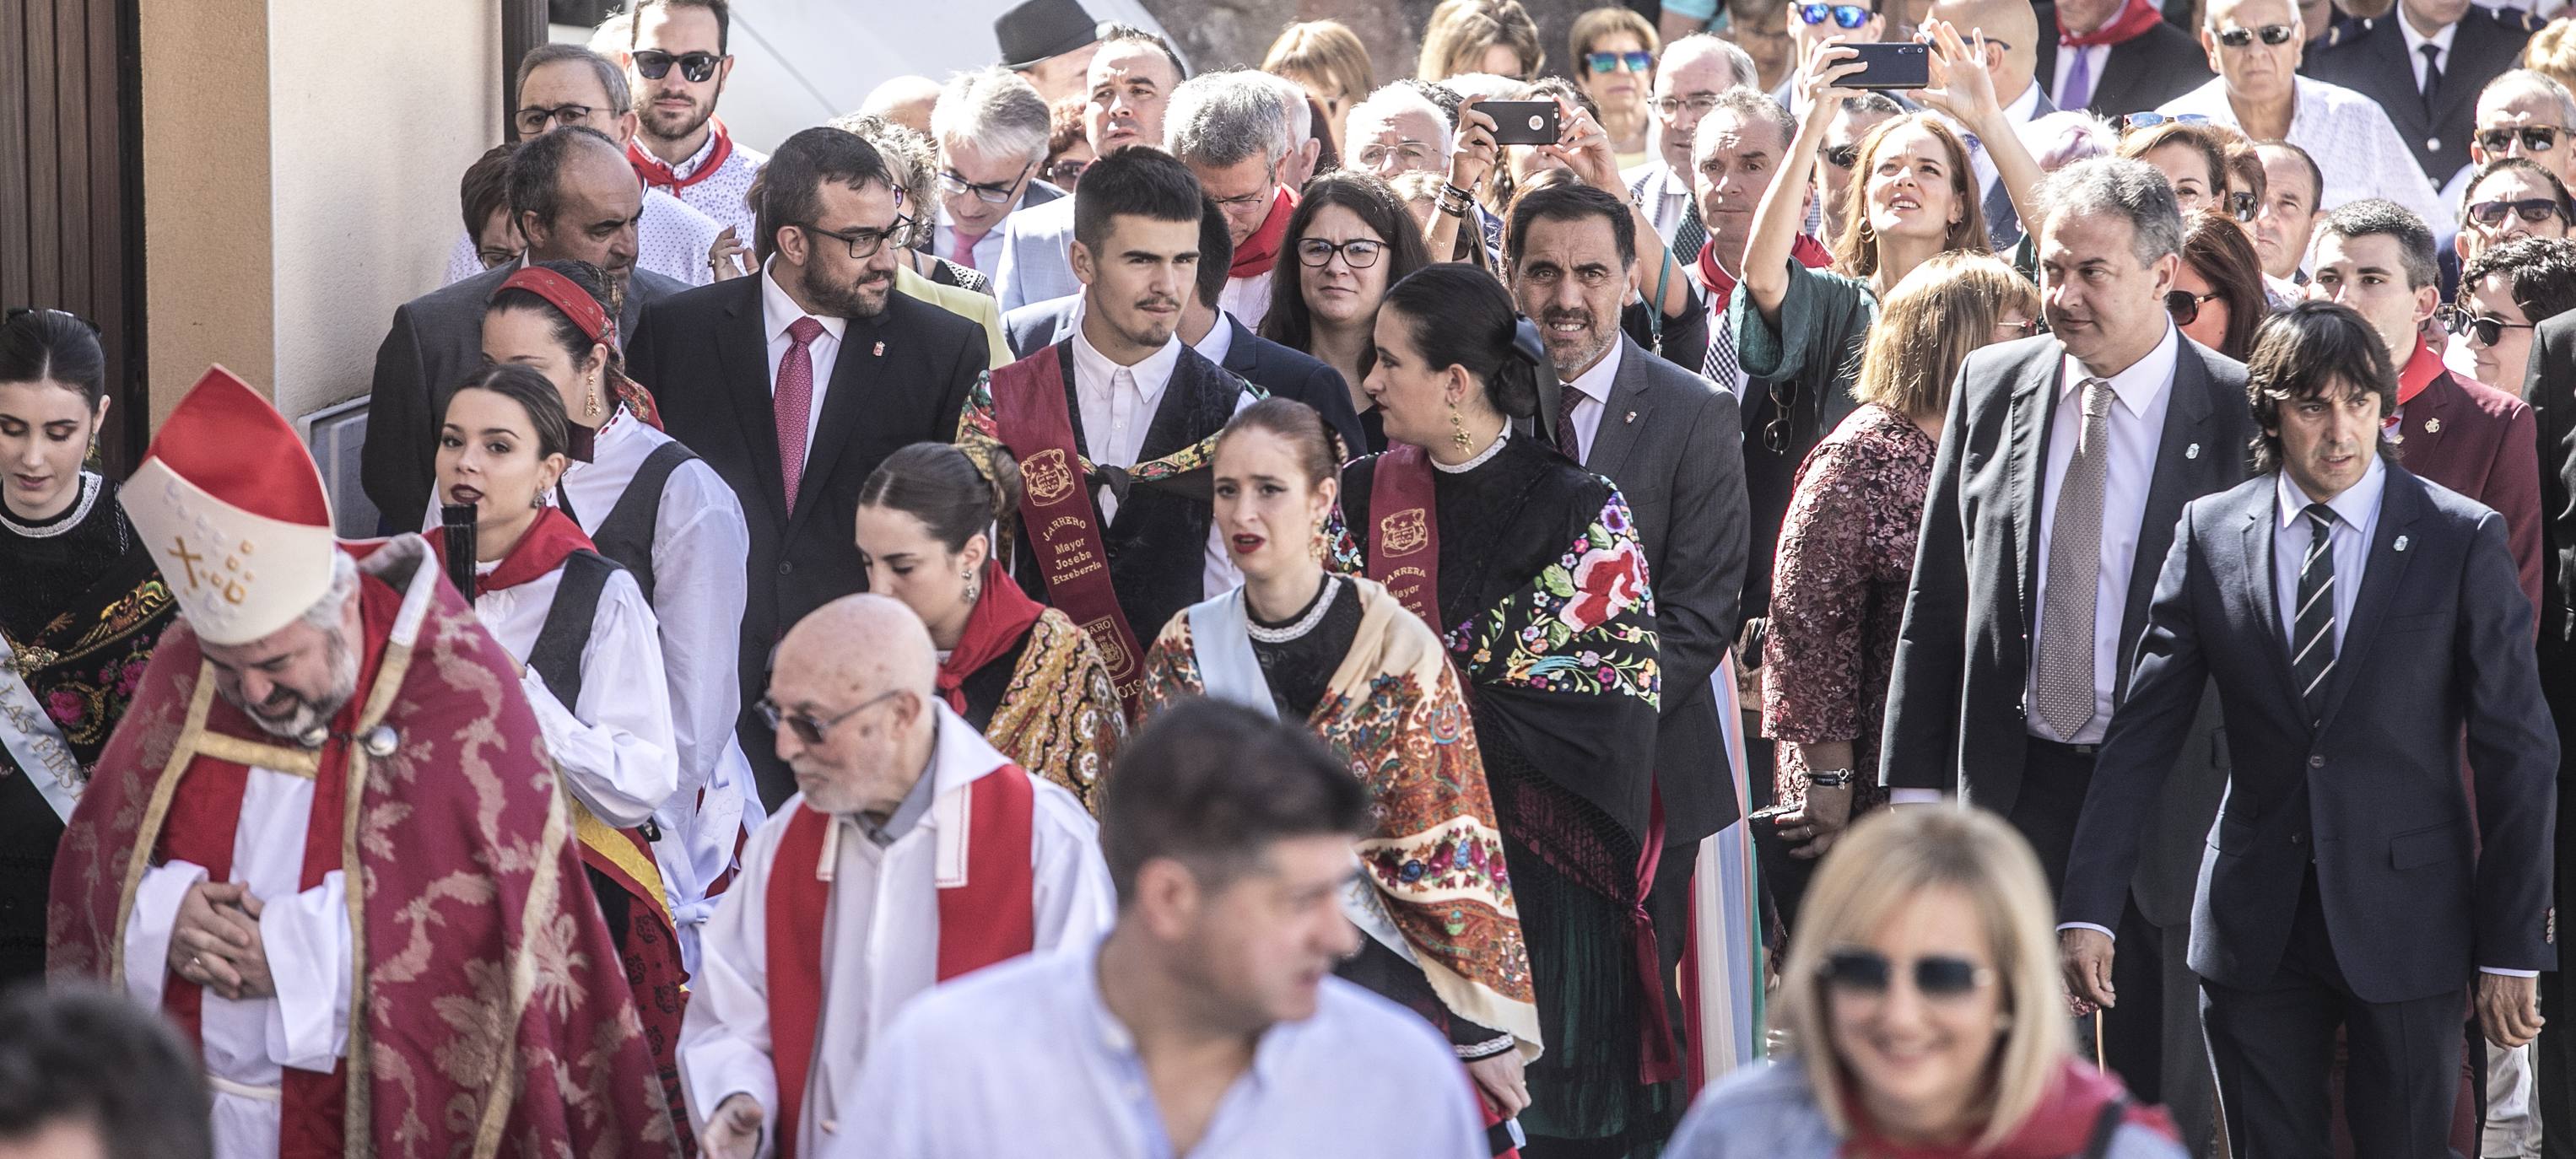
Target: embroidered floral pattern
1586, 625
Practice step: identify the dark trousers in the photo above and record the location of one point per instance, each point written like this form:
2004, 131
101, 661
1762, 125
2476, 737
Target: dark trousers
2553, 1054
2054, 779
2275, 1046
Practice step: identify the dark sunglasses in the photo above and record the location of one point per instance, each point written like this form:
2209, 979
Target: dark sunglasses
2185, 305
1606, 61
2532, 210
1843, 15
2272, 34
2241, 205
2535, 138
1936, 976
1067, 173
1775, 433
811, 728
654, 64
2483, 329
1841, 156
2136, 121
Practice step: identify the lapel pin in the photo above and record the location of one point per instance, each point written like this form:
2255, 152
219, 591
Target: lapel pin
2432, 426
1632, 416
880, 350
2401, 543
2191, 452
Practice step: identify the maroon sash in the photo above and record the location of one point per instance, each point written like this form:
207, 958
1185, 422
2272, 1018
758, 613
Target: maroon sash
1030, 414
988, 917
1404, 542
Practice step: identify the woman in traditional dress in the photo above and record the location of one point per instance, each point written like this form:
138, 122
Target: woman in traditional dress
580, 625
651, 506
81, 607
1529, 568
1020, 671
1340, 654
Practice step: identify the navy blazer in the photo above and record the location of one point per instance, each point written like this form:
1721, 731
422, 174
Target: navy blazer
2439, 644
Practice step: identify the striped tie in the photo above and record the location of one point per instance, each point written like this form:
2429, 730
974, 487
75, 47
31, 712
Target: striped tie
2312, 651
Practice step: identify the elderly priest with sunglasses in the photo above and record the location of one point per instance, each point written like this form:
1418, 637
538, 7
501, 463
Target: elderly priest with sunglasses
914, 853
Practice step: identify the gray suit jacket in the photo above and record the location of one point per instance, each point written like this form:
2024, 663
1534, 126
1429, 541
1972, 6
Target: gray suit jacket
1037, 255
1673, 443
436, 342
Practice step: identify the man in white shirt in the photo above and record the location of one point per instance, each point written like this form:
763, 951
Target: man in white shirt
1208, 1022
2012, 33
991, 129
1132, 77
913, 853
678, 58
1233, 133
1693, 71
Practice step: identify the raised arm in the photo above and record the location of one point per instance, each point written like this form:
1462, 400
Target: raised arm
1784, 205
1469, 161
1962, 88
1585, 148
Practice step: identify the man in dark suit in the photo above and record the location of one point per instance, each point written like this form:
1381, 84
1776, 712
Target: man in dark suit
2063, 465
2425, 63
2357, 621
1672, 442
575, 199
795, 383
2131, 62
2551, 391
2377, 258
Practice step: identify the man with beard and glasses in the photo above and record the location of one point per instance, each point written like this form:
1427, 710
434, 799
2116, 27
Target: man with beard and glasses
678, 59
229, 865
574, 198
1114, 514
795, 383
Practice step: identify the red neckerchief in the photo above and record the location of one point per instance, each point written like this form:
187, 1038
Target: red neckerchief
2420, 371
552, 537
2134, 20
2061, 1125
1261, 251
1807, 251
1002, 615
657, 174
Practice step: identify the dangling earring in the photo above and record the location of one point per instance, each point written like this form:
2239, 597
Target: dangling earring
537, 502
1457, 430
974, 588
593, 407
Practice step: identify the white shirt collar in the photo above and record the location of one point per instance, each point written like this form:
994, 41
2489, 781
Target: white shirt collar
778, 311
2415, 43
1219, 341
688, 167
2025, 105
2357, 507
1595, 383
1151, 373
2137, 386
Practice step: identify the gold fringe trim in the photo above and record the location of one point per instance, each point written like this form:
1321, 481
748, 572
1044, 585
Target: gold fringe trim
139, 858
357, 1136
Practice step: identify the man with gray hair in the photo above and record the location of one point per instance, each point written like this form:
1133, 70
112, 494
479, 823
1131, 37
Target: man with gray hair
1693, 71
991, 128
1232, 131
1396, 131
2064, 466
1304, 148
2526, 114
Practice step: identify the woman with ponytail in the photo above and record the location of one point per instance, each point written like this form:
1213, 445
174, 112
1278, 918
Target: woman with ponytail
1020, 671
1529, 569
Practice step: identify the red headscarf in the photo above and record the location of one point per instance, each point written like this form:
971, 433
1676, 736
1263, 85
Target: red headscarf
1002, 614
592, 319
2062, 1124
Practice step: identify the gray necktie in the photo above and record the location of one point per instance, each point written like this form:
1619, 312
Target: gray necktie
2066, 640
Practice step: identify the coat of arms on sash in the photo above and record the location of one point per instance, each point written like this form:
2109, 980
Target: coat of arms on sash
1403, 532
1049, 478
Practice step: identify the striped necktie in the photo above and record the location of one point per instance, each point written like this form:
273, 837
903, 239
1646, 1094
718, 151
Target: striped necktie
2312, 639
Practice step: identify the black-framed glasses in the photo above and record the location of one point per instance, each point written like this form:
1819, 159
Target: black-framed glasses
536, 119
1939, 977
955, 184
1696, 102
1841, 156
1606, 61
864, 243
1067, 172
2535, 138
2532, 211
1359, 253
2185, 305
2136, 121
811, 728
2241, 205
2482, 329
698, 67
1843, 15
2271, 34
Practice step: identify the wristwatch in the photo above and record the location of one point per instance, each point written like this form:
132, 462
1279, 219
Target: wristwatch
1831, 778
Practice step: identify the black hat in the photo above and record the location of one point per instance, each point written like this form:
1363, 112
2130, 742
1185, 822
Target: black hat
1037, 29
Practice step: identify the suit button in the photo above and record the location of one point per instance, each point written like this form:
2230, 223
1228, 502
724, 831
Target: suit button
2298, 838
2316, 762
2433, 144
786, 567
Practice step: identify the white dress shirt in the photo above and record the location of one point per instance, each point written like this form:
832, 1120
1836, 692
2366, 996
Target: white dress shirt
1118, 404
2095, 56
1218, 342
2441, 42
2136, 425
613, 743
1665, 196
2019, 113
2356, 517
1592, 388
777, 313
2351, 137
1249, 298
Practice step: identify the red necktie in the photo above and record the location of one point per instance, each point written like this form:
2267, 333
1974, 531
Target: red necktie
794, 402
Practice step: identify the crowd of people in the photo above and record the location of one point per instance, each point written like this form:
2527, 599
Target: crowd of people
1246, 611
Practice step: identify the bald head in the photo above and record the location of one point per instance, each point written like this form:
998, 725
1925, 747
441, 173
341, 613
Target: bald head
905, 100
2012, 39
865, 644
852, 691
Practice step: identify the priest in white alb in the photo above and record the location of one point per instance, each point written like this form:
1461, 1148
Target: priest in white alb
912, 853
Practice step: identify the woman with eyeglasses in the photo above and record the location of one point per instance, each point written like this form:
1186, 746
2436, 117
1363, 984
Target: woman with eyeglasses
1529, 568
1847, 550
1924, 1016
2218, 295
580, 625
1612, 51
1020, 672
1350, 238
81, 607
1340, 655
1068, 148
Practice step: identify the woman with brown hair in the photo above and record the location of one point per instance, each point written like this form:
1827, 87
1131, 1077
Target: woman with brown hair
2193, 161
1329, 62
2218, 298
1349, 239
1490, 36
1612, 56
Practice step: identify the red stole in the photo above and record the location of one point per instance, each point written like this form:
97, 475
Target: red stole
2135, 19
1002, 614
1032, 417
1806, 251
988, 916
1404, 543
658, 175
204, 818
541, 549
1261, 251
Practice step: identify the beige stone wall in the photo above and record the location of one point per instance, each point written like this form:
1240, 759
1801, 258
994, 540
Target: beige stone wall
300, 160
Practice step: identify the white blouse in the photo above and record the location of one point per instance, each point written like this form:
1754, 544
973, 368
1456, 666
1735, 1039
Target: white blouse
614, 744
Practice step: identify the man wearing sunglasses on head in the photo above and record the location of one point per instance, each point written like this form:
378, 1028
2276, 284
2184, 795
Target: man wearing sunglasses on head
2255, 46
677, 61
912, 853
2425, 63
